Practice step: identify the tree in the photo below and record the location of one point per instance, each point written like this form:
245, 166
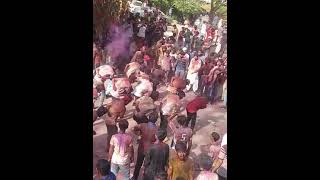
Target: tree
106, 12
219, 8
181, 8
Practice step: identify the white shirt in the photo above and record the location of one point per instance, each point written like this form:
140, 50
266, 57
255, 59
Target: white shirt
203, 28
130, 30
220, 23
142, 32
121, 143
143, 86
207, 175
224, 140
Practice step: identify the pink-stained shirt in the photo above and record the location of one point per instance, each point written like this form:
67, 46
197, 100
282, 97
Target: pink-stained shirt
121, 143
195, 65
214, 151
207, 175
166, 63
182, 134
104, 70
143, 86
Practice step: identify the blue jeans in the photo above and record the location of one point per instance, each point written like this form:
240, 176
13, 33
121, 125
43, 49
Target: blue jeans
180, 73
123, 169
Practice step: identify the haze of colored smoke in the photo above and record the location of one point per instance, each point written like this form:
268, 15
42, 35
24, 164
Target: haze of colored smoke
119, 42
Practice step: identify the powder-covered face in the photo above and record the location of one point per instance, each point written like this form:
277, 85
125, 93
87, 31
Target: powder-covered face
181, 155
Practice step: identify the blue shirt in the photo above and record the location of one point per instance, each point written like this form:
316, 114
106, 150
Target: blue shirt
111, 176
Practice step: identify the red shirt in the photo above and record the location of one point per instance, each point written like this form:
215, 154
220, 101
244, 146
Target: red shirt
196, 104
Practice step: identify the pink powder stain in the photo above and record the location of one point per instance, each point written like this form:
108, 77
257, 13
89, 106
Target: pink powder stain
119, 42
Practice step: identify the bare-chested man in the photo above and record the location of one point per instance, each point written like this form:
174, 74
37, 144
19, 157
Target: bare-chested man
147, 131
102, 81
143, 88
131, 70
177, 84
116, 110
170, 105
121, 89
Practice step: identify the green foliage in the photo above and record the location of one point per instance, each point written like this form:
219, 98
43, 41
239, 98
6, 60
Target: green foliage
182, 8
218, 8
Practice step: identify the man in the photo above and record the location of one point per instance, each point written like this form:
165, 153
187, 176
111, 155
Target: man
143, 88
121, 88
181, 166
181, 64
138, 56
131, 70
206, 174
170, 105
147, 131
180, 38
192, 76
143, 107
166, 64
102, 80
187, 38
103, 170
203, 29
182, 133
220, 164
177, 84
116, 110
192, 108
121, 151
157, 76
157, 158
142, 32
198, 43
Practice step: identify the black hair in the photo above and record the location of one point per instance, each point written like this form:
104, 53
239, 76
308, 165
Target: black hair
161, 134
123, 124
154, 95
153, 117
182, 120
181, 94
180, 147
103, 166
180, 178
146, 70
215, 136
187, 81
162, 175
157, 66
206, 162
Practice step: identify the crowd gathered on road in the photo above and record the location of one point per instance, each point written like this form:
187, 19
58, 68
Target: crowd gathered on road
130, 63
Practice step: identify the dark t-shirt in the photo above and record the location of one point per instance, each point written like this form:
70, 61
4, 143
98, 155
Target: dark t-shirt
148, 131
111, 176
181, 63
156, 160
187, 36
198, 44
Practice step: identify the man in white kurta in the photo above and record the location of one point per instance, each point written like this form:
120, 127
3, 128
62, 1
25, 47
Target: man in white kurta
192, 76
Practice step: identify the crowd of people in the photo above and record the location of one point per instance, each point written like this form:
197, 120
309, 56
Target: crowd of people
191, 58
